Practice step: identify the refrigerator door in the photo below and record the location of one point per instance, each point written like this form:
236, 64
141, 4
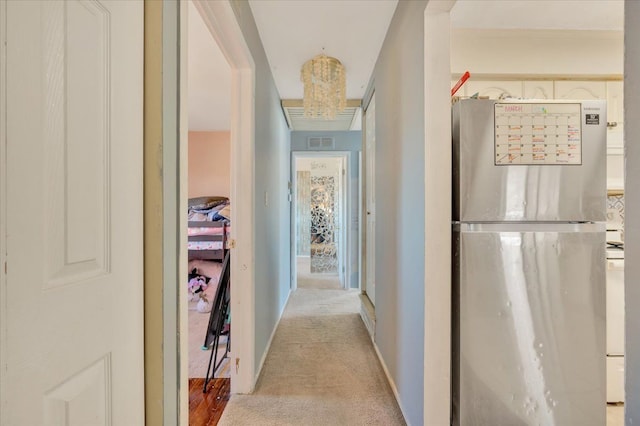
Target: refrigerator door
488, 189
529, 326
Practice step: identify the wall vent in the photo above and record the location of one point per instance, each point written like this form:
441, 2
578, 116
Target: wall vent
321, 142
349, 119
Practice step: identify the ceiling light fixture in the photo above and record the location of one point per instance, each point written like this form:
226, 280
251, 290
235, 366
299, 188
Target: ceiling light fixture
324, 80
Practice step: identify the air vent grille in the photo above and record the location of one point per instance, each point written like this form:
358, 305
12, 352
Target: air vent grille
321, 142
349, 119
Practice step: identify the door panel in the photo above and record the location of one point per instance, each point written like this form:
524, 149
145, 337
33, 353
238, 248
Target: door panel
615, 379
615, 102
615, 306
325, 217
530, 321
538, 89
579, 90
74, 338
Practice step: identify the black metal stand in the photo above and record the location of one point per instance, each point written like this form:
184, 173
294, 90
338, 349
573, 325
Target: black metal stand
217, 318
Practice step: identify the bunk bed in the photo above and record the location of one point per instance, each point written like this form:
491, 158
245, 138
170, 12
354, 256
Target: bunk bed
209, 227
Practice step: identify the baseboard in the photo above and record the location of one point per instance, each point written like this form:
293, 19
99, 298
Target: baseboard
392, 383
273, 333
368, 315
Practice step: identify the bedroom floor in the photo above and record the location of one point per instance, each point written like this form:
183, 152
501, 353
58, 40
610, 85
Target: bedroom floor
198, 322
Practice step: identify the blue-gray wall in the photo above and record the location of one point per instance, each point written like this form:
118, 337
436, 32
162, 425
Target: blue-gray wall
632, 207
272, 141
344, 141
398, 81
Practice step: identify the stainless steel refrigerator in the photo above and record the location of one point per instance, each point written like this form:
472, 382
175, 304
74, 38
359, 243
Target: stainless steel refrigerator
529, 213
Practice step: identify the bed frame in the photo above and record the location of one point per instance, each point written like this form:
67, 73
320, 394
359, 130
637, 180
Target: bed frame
209, 254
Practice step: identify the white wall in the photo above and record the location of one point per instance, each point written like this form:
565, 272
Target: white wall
272, 170
400, 205
632, 207
537, 52
327, 166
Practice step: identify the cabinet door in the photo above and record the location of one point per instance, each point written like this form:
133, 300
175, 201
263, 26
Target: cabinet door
579, 90
615, 307
615, 379
542, 89
494, 89
615, 102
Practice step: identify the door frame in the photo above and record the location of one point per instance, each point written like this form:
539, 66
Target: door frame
437, 226
3, 201
344, 264
221, 21
365, 235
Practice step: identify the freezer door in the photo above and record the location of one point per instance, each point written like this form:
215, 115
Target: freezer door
485, 190
529, 329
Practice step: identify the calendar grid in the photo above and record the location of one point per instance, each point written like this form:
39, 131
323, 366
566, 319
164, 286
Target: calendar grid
538, 134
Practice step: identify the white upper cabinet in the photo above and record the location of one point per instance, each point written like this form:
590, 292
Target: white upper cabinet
542, 89
580, 90
494, 89
615, 102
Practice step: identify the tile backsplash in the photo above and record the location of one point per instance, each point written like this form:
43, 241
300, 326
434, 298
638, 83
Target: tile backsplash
615, 211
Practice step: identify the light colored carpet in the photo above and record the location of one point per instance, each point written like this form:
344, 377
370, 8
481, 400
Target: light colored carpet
321, 369
198, 322
308, 280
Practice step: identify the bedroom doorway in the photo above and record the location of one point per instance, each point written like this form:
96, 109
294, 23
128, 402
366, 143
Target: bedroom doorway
209, 177
320, 209
220, 30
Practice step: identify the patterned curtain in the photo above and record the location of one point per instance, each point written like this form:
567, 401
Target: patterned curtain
324, 256
303, 213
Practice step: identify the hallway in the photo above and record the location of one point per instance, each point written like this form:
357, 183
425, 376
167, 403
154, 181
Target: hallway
321, 369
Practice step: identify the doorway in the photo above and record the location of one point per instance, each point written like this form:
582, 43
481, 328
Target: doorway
209, 204
320, 208
220, 21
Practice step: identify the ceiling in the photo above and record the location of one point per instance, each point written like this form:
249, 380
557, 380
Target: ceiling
336, 27
292, 32
539, 14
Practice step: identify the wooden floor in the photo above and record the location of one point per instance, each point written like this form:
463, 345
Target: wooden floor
205, 409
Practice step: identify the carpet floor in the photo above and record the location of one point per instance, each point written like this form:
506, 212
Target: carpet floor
321, 369
308, 280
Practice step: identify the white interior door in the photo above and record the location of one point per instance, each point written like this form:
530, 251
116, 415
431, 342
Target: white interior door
73, 314
370, 191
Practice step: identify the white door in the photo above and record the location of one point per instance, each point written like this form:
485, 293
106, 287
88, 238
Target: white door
73, 314
370, 191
